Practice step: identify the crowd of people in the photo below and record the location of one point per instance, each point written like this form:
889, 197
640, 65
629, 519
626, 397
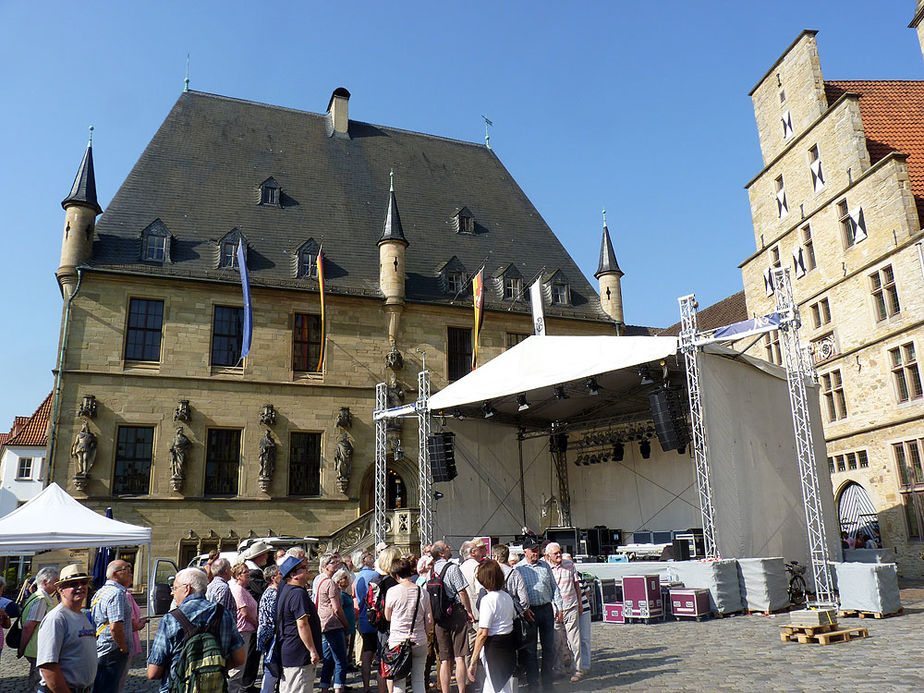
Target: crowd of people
494, 623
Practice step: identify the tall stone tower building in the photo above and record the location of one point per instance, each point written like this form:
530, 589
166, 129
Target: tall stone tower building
839, 202
81, 210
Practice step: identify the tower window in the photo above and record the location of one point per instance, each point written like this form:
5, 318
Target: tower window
905, 373
853, 223
832, 388
818, 178
782, 207
808, 247
821, 313
787, 125
885, 295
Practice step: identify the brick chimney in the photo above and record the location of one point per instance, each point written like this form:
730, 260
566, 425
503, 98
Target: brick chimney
338, 110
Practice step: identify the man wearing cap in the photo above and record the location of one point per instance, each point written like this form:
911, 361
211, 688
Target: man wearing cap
256, 558
189, 594
545, 604
66, 652
298, 629
112, 618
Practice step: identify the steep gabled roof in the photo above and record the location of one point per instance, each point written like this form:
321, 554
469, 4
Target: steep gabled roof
35, 432
893, 121
199, 172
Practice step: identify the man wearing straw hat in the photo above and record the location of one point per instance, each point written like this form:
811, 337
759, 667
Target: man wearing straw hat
67, 641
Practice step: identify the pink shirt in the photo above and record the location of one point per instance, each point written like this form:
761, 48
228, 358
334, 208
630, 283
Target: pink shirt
400, 599
565, 576
327, 598
246, 608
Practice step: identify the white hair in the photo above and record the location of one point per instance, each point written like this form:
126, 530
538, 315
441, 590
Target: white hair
220, 565
341, 574
46, 574
548, 547
195, 578
465, 550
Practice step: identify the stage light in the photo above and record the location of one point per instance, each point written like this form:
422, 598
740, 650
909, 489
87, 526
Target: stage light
645, 374
592, 387
682, 450
399, 451
645, 448
488, 410
438, 495
560, 393
521, 401
618, 452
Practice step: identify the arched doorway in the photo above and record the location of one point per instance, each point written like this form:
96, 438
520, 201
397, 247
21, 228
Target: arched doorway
398, 493
856, 513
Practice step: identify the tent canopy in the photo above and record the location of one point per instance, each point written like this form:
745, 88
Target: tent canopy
55, 520
538, 365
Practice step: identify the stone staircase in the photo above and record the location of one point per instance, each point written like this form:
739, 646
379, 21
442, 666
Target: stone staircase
402, 529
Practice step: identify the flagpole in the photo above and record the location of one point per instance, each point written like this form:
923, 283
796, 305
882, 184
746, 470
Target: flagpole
320, 265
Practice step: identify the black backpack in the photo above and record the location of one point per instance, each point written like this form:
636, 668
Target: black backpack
440, 602
375, 601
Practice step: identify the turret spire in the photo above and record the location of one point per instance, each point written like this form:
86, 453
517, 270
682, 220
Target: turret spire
392, 230
608, 262
83, 191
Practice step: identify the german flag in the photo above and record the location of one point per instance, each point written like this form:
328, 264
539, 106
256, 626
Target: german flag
478, 294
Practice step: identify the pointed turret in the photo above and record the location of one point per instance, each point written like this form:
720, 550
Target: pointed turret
392, 246
80, 211
609, 275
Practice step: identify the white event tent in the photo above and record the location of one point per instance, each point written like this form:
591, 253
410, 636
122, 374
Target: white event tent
55, 520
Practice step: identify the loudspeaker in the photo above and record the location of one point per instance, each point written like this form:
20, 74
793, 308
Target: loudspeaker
442, 456
681, 549
558, 442
667, 410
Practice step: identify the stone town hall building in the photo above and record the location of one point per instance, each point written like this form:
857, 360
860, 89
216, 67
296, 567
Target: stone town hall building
153, 315
840, 200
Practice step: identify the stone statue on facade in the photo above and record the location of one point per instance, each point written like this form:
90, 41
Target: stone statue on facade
394, 397
394, 360
267, 460
178, 449
345, 418
84, 451
343, 462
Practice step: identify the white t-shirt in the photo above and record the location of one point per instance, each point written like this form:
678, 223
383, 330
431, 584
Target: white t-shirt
496, 613
68, 639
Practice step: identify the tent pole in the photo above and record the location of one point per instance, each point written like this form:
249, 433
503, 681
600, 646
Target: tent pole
147, 601
522, 479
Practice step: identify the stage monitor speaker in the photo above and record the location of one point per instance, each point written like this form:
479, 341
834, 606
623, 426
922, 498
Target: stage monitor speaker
681, 549
667, 410
440, 447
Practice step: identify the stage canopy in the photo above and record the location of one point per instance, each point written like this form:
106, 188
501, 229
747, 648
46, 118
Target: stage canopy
55, 520
598, 376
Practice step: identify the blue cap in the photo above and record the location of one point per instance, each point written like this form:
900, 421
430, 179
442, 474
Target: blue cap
288, 565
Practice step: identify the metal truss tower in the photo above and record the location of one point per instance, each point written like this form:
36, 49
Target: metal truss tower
378, 523
700, 454
424, 477
796, 372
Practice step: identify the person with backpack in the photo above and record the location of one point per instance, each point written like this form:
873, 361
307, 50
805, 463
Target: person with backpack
197, 642
112, 618
368, 633
452, 612
37, 604
375, 600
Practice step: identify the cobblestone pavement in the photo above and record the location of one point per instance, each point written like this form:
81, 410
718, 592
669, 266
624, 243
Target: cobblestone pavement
737, 653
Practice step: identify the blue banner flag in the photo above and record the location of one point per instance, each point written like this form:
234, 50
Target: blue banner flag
248, 309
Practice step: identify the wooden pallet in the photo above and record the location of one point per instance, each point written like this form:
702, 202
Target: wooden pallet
868, 614
845, 635
784, 610
805, 634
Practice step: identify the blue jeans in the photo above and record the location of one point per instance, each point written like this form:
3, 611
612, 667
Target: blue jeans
109, 671
334, 646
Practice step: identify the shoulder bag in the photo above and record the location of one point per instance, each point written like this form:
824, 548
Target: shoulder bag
396, 661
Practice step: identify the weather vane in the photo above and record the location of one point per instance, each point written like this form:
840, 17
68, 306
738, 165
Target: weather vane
487, 137
90, 143
604, 216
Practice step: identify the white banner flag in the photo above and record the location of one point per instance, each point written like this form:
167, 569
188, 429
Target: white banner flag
535, 297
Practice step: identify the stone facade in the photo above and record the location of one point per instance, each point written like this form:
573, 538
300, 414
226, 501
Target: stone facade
840, 311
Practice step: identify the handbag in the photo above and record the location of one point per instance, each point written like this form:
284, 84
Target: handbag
521, 626
396, 661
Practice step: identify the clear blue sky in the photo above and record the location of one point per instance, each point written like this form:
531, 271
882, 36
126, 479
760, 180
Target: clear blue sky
639, 107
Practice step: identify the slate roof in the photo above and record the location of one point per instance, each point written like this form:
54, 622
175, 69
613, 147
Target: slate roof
725, 312
607, 255
201, 172
893, 121
35, 431
83, 191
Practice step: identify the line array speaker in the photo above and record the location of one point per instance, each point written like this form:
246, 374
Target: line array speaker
667, 410
440, 447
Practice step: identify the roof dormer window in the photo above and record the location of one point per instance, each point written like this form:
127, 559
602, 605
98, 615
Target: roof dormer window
155, 243
453, 277
560, 294
270, 194
509, 282
306, 260
455, 281
464, 221
227, 249
513, 288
